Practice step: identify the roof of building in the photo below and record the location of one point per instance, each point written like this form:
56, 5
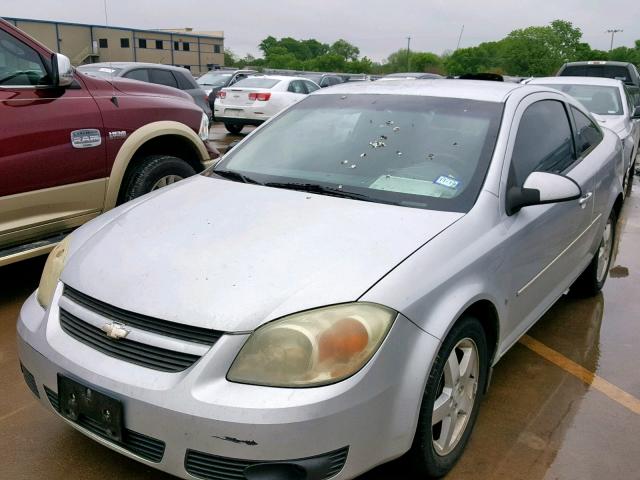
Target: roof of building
164, 32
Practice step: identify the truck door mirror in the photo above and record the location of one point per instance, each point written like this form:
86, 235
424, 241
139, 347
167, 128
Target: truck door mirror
62, 70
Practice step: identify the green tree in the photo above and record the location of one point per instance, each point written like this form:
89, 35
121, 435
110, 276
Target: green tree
345, 50
418, 62
230, 58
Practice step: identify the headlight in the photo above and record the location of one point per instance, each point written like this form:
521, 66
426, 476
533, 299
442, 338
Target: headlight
51, 273
203, 133
313, 348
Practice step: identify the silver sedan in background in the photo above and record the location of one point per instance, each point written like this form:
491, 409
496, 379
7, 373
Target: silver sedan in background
334, 292
611, 104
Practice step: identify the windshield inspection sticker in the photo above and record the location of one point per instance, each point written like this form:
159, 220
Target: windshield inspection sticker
447, 181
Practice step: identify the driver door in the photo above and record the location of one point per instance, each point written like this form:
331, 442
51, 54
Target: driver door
52, 161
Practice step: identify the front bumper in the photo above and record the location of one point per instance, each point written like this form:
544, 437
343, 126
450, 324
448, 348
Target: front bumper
372, 414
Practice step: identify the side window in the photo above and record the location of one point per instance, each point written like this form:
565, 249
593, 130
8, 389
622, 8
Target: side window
296, 86
184, 82
311, 87
138, 74
163, 77
588, 135
19, 63
544, 141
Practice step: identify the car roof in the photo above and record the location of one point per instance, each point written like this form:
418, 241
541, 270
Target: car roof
471, 89
280, 77
131, 65
597, 62
599, 81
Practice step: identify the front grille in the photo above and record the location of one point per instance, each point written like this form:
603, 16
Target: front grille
143, 322
124, 349
29, 380
142, 445
212, 467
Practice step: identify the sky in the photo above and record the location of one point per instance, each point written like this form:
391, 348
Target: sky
377, 27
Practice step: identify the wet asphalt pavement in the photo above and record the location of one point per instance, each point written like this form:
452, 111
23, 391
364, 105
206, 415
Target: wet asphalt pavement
564, 402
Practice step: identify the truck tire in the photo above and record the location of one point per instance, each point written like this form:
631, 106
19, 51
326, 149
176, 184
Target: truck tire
153, 172
234, 128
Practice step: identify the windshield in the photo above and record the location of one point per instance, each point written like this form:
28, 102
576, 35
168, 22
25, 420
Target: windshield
212, 79
604, 71
104, 72
598, 99
415, 151
256, 82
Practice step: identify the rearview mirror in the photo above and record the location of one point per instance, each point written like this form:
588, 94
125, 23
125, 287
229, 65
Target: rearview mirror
541, 188
62, 70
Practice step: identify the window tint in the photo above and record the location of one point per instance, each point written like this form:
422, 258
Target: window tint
184, 82
124, 43
588, 135
163, 77
544, 141
296, 86
603, 71
311, 87
138, 74
257, 82
103, 42
19, 64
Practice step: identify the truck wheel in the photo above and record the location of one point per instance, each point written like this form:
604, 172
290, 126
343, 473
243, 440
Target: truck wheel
591, 281
154, 172
234, 128
451, 400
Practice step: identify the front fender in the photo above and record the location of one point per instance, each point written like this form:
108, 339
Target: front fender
138, 138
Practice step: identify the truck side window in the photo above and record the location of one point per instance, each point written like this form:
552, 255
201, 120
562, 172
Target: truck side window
19, 63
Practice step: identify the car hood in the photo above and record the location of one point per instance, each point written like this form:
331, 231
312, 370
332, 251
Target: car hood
617, 123
230, 256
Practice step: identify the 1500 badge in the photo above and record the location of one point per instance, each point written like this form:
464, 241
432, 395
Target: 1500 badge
86, 138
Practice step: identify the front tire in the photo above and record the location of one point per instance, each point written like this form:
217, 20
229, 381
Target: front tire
154, 172
451, 400
591, 281
234, 128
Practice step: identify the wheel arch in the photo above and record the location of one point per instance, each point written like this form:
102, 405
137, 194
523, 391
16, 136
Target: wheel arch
174, 136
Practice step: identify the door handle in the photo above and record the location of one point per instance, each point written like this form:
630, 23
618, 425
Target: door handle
585, 198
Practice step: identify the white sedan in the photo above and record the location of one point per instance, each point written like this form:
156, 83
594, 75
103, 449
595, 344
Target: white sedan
254, 100
611, 104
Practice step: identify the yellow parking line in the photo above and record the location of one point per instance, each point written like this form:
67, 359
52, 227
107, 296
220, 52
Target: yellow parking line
614, 393
17, 410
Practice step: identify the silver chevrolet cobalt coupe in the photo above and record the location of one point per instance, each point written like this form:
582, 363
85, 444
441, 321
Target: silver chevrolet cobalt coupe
334, 292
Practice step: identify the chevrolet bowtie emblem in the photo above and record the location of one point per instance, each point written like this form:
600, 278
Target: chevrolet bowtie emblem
115, 331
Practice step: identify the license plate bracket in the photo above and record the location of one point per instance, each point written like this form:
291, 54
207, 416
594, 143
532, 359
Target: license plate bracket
82, 404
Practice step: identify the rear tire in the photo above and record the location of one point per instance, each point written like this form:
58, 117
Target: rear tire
591, 281
434, 451
153, 172
234, 128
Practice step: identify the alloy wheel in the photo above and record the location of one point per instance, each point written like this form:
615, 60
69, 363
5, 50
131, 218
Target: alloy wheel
166, 180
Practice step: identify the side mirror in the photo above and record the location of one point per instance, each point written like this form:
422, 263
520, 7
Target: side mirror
541, 188
635, 115
62, 70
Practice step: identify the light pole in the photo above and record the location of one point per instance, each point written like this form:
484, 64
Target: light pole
408, 57
613, 31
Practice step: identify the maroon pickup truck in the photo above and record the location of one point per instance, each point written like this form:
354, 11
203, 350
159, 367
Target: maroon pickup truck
73, 146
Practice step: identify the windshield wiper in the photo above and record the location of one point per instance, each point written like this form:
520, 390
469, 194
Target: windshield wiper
314, 188
236, 176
